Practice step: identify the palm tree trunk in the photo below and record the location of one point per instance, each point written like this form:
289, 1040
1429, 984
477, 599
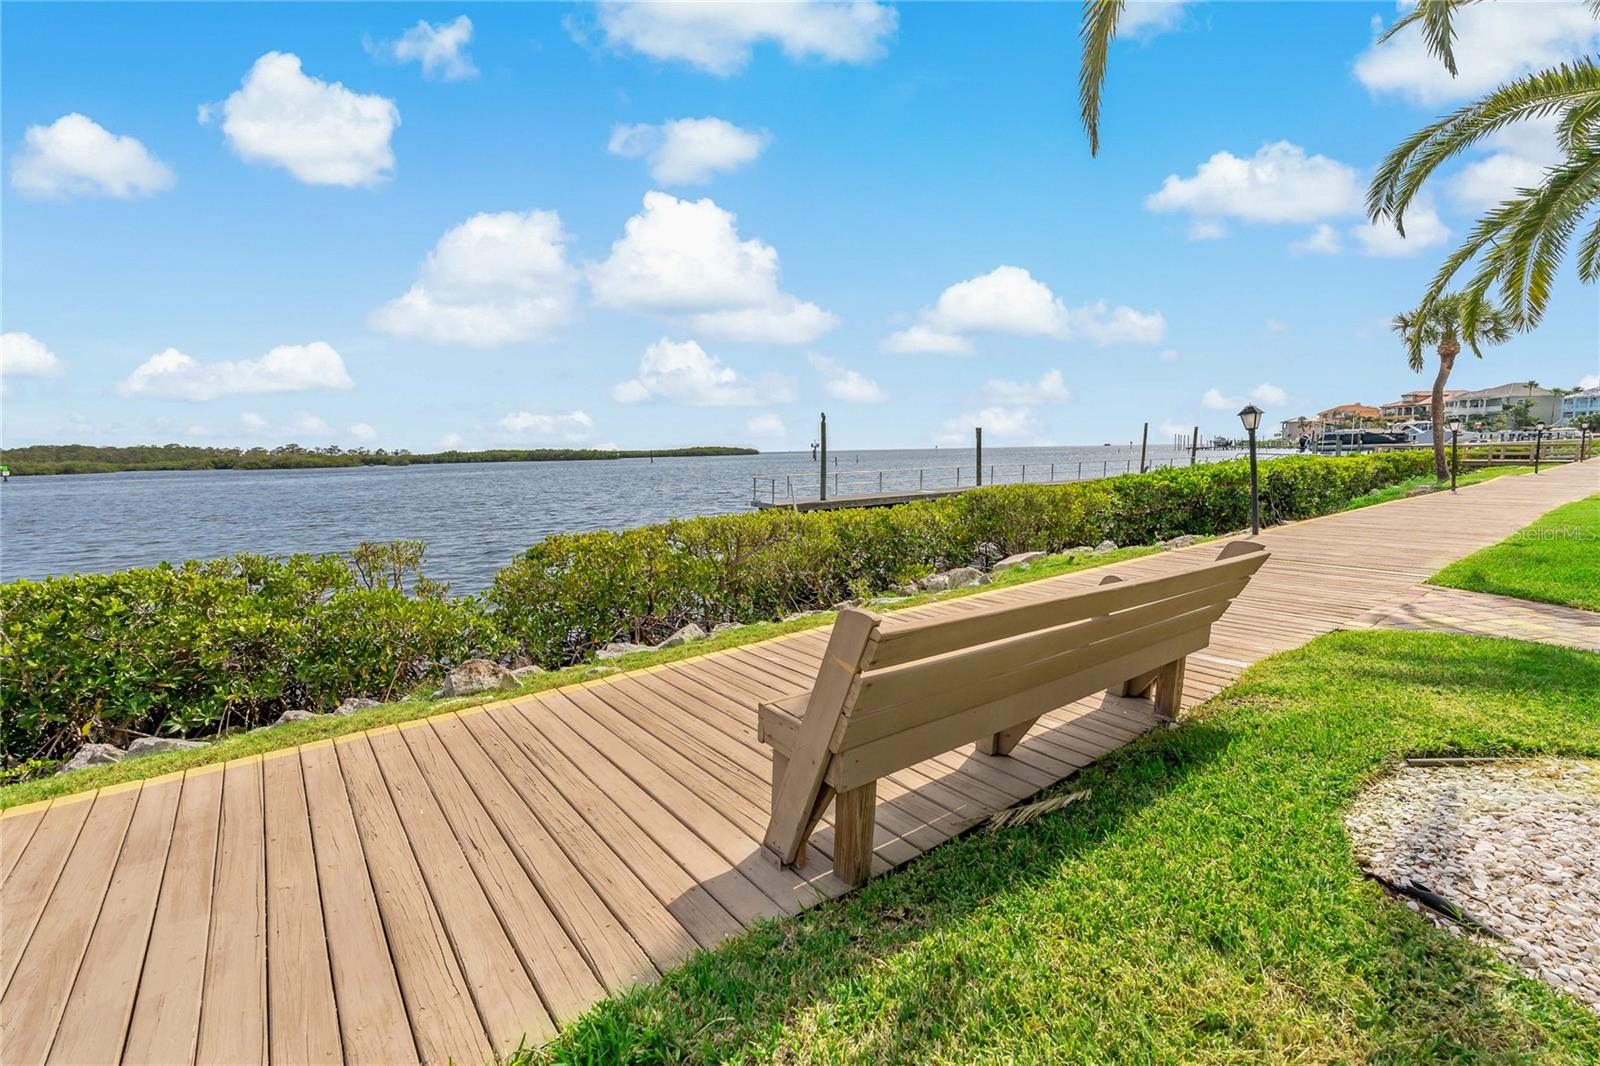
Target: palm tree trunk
1449, 348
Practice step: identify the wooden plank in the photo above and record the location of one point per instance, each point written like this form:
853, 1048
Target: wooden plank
559, 970
902, 642
302, 1023
32, 1004
503, 991
853, 852
95, 1021
165, 1026
849, 647
374, 1027
613, 954
233, 1014
602, 840
33, 879
17, 826
872, 760
1026, 661
444, 1018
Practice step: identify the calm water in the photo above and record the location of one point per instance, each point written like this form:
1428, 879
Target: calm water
474, 517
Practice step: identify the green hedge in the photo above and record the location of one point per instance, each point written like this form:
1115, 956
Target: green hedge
569, 593
196, 649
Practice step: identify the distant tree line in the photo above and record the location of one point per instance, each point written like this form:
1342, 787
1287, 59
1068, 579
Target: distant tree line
96, 459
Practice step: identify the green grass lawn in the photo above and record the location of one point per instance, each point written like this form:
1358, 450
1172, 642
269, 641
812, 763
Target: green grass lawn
322, 727
1200, 906
1401, 489
1555, 560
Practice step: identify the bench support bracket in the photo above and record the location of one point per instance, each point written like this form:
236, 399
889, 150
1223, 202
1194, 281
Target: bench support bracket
1002, 742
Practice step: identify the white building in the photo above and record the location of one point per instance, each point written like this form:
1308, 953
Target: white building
1488, 404
1576, 405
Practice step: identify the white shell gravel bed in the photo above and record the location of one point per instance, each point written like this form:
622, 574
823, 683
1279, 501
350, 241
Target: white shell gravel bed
1515, 845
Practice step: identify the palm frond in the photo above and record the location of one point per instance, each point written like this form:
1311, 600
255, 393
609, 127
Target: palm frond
1437, 28
1580, 124
1404, 171
1589, 252
1012, 817
1099, 29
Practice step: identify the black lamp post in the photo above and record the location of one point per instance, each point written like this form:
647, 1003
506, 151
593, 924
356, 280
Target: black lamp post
1538, 442
1455, 438
1251, 417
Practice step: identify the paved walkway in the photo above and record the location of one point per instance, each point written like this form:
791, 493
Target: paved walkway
437, 891
1446, 610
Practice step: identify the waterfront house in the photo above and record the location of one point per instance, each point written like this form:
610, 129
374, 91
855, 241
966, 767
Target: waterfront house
1292, 429
1578, 405
1413, 405
1348, 415
1485, 405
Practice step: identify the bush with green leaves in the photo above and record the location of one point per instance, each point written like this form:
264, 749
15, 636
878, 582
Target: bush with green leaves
200, 648
571, 593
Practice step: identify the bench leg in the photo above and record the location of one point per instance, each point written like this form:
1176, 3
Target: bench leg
1137, 687
1169, 689
780, 763
1002, 742
854, 814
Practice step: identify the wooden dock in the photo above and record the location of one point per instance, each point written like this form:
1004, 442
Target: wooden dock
442, 890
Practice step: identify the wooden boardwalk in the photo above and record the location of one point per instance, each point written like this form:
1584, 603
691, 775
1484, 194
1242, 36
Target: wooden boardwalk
443, 890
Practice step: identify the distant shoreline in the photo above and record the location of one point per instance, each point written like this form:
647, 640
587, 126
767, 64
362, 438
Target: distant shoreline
48, 459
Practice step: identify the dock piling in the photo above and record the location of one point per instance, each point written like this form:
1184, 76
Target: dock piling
978, 432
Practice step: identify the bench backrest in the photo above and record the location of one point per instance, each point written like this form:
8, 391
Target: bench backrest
893, 692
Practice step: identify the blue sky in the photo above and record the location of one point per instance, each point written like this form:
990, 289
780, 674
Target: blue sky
485, 225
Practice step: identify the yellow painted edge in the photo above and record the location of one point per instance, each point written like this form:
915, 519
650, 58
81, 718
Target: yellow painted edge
210, 767
165, 779
278, 753
313, 745
24, 808
76, 797
122, 786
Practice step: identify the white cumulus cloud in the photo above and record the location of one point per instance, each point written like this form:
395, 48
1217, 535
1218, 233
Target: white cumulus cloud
688, 151
1143, 19
686, 257
1266, 393
998, 423
76, 156
570, 427
682, 372
1269, 394
441, 49
493, 280
22, 355
1424, 229
289, 368
719, 37
1324, 240
1009, 300
1495, 43
767, 425
321, 132
363, 431
1050, 388
1517, 158
1280, 183
843, 383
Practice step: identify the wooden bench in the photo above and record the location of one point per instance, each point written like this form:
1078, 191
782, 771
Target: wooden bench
893, 692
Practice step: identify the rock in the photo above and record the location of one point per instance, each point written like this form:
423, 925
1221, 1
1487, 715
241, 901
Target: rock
1019, 559
1079, 549
156, 745
518, 662
800, 614
1421, 490
1180, 542
842, 604
884, 601
986, 555
601, 671
966, 577
619, 648
294, 716
909, 588
934, 583
522, 673
1105, 546
723, 627
477, 675
352, 704
684, 636
93, 755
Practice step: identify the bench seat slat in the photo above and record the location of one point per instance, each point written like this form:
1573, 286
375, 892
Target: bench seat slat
907, 641
1043, 650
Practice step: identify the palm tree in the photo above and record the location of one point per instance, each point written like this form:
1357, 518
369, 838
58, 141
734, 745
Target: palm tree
1444, 325
1518, 245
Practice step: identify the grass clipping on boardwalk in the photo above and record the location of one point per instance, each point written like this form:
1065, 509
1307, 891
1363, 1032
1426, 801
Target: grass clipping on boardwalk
1024, 813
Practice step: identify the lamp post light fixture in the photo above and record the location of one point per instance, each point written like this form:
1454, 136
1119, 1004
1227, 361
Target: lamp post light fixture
1251, 417
1538, 442
1455, 438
